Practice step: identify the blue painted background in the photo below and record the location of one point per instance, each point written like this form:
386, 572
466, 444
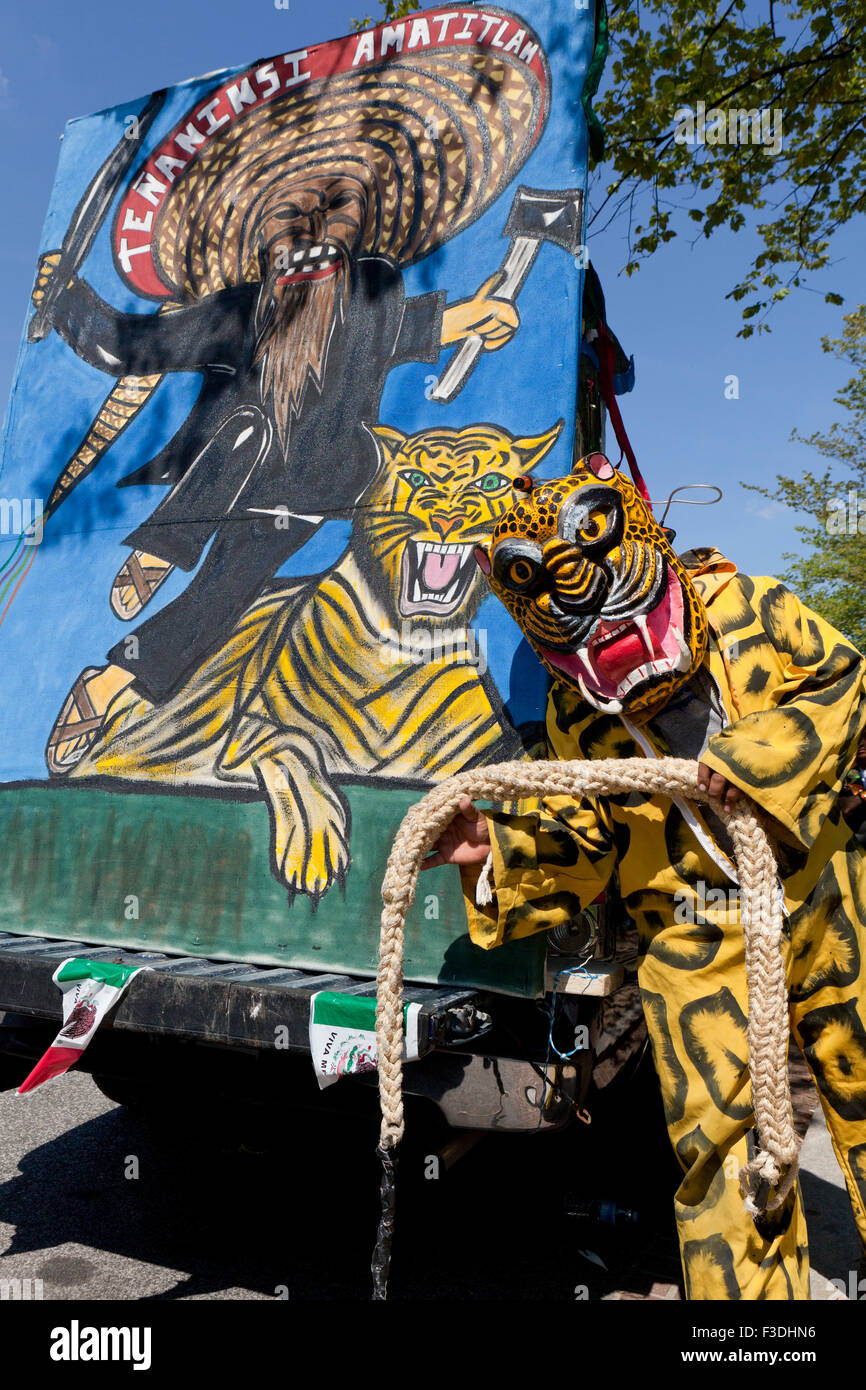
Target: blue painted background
60, 620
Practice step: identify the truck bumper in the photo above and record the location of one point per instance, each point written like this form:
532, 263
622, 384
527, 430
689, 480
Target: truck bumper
216, 1024
479, 1091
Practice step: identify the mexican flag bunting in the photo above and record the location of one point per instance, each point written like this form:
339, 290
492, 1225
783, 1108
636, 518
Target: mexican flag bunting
343, 1035
89, 990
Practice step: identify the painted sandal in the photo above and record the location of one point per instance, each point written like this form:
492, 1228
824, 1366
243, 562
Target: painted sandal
77, 721
143, 579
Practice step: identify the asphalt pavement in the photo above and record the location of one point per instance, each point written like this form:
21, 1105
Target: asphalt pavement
99, 1202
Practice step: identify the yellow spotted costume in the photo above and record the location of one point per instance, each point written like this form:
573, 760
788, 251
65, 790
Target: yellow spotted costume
793, 692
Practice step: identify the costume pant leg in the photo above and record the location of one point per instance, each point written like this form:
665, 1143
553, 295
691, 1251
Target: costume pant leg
244, 554
693, 985
828, 1009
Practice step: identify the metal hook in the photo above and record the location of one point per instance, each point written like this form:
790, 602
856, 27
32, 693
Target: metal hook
689, 501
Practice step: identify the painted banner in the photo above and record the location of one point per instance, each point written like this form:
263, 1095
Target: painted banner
296, 329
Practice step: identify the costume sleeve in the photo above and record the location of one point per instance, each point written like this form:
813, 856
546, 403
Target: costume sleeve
549, 862
419, 338
791, 756
141, 344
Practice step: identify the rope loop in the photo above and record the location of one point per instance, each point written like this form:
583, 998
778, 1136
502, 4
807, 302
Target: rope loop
766, 1179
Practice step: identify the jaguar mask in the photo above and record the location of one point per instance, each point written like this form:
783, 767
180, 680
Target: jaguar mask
589, 575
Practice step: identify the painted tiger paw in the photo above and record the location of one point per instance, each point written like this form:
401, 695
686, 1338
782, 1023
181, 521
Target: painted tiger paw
309, 829
310, 859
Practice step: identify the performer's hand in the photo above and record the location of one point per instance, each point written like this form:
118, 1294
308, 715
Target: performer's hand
494, 320
464, 841
724, 795
44, 271
720, 791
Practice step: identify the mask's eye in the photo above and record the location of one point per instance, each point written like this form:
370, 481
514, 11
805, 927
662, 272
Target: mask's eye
289, 212
521, 571
414, 477
594, 525
492, 482
593, 520
517, 566
342, 200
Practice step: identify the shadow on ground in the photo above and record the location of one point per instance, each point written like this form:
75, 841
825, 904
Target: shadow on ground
238, 1200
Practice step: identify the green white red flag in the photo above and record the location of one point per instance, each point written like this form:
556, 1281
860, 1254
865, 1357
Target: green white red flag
343, 1035
89, 988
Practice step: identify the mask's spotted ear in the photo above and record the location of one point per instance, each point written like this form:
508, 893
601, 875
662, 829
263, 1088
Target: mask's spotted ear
482, 558
599, 465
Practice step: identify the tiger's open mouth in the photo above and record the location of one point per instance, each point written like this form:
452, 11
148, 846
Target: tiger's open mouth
618, 656
436, 577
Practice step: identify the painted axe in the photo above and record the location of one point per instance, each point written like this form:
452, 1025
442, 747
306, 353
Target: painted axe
91, 212
536, 215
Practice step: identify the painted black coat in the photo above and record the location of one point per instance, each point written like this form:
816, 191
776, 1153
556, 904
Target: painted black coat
226, 461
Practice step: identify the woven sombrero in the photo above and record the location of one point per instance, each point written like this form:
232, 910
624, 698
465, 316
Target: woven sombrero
435, 132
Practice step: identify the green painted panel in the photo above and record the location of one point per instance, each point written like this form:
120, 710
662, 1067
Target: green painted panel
81, 861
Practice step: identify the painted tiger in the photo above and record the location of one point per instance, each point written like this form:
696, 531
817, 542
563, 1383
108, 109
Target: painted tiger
370, 668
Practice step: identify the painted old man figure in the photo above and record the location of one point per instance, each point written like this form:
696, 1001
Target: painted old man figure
278, 249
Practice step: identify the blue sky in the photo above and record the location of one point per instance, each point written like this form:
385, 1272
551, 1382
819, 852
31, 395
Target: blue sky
59, 61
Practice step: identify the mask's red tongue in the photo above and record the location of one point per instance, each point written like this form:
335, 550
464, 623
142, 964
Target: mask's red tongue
438, 570
615, 659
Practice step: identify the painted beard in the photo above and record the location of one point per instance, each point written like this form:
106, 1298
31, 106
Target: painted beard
295, 327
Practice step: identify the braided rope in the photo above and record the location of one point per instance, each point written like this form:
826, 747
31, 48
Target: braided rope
767, 1177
